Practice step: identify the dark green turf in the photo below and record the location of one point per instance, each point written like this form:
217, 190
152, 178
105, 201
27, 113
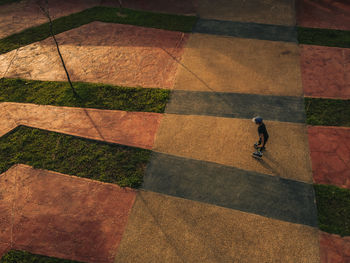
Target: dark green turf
66, 154
333, 205
4, 2
328, 112
17, 256
103, 14
324, 37
100, 96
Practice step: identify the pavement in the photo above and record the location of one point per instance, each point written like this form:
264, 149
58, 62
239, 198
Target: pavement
325, 71
39, 208
136, 129
99, 52
334, 248
24, 14
204, 198
323, 14
227, 64
329, 149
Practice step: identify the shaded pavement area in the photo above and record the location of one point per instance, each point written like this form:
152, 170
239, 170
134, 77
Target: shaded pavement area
230, 187
24, 14
237, 105
333, 14
16, 17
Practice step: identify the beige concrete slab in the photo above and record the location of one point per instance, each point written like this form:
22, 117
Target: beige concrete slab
168, 229
136, 129
226, 64
278, 12
102, 53
230, 142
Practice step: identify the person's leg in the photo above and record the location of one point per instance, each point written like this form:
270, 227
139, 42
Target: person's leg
265, 141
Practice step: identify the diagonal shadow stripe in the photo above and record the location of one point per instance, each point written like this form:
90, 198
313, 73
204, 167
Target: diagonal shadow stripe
236, 105
230, 187
246, 30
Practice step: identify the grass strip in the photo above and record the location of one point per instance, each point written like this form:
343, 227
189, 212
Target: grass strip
17, 256
71, 155
4, 2
333, 205
328, 112
102, 14
324, 37
99, 96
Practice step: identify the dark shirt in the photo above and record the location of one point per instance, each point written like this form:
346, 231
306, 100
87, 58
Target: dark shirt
262, 130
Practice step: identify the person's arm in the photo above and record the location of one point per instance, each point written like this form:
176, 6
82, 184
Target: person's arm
262, 140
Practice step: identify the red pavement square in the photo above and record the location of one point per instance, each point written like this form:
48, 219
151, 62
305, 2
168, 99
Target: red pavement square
63, 216
334, 249
333, 14
329, 149
325, 71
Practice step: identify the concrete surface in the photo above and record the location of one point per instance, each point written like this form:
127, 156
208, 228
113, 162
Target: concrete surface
230, 142
64, 216
136, 129
102, 53
325, 71
16, 17
246, 30
329, 150
237, 105
230, 187
333, 14
334, 249
278, 12
167, 229
226, 64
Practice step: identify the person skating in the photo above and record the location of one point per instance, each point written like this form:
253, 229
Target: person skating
263, 137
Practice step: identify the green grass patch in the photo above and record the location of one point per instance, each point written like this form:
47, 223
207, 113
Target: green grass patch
328, 112
67, 154
98, 96
333, 205
17, 256
4, 2
324, 37
103, 14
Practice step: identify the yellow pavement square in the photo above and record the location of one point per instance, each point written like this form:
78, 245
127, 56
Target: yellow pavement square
230, 142
277, 12
168, 229
227, 64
